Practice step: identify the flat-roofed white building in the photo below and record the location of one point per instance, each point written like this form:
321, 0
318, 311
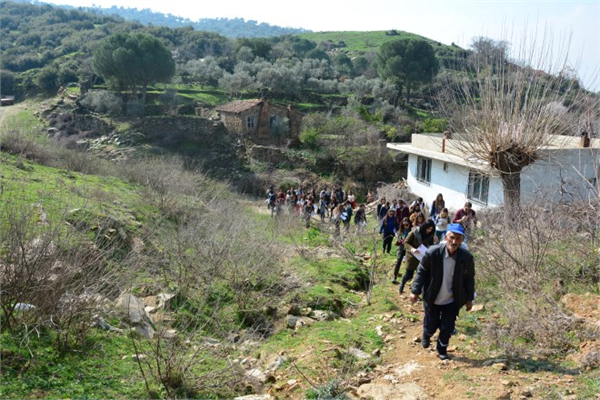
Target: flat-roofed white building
566, 170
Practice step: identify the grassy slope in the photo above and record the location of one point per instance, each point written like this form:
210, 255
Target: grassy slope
364, 42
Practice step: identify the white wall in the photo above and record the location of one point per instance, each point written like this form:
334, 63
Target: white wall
452, 184
562, 176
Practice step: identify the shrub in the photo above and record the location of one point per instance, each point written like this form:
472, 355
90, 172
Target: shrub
435, 125
310, 138
103, 102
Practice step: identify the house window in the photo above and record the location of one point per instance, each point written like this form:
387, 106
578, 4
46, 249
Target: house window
250, 121
424, 169
446, 166
272, 120
478, 187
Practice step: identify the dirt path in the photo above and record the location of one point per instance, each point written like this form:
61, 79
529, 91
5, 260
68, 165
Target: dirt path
409, 371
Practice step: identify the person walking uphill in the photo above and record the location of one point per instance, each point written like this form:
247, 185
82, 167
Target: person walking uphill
389, 226
446, 279
420, 235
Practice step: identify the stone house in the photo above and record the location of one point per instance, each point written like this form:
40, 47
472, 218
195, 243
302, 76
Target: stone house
259, 120
568, 169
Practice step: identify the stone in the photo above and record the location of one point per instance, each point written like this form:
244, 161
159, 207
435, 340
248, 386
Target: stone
254, 397
291, 321
503, 396
358, 353
407, 369
409, 391
379, 330
500, 366
478, 307
257, 374
276, 362
376, 353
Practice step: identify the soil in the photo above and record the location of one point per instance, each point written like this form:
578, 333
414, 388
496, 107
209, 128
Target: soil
408, 371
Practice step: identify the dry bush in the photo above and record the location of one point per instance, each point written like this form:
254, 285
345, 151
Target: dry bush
531, 259
50, 276
19, 142
227, 276
168, 181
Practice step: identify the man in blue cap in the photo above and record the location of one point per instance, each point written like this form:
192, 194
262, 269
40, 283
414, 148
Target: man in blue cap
446, 278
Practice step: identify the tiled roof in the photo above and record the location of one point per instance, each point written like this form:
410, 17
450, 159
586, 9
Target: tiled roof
238, 106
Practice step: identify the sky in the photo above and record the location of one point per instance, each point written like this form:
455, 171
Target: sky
572, 27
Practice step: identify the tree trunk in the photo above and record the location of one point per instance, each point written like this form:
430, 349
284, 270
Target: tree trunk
408, 94
511, 185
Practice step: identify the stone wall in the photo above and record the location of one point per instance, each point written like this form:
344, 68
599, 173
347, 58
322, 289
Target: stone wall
191, 127
271, 155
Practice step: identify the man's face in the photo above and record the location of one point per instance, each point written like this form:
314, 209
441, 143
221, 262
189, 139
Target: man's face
454, 241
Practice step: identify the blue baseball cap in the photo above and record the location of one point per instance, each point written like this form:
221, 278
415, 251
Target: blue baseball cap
456, 228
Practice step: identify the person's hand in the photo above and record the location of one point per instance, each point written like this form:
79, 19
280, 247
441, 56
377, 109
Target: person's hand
469, 305
415, 251
414, 298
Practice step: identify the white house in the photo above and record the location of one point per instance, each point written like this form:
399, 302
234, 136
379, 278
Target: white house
567, 170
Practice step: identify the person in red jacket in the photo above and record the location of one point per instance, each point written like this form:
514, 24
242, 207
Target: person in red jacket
467, 217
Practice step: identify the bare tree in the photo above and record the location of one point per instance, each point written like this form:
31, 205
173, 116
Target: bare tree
510, 112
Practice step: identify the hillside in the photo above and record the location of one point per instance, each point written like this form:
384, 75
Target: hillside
228, 27
238, 302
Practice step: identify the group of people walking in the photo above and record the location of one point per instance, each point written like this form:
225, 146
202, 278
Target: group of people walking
436, 267
335, 205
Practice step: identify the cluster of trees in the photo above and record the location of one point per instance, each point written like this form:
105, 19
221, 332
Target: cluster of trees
46, 47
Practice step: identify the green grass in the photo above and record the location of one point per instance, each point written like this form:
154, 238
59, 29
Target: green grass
59, 192
359, 41
96, 371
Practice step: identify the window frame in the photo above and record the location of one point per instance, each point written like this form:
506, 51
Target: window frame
250, 122
424, 171
478, 187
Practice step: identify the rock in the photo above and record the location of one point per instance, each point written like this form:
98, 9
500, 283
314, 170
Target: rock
257, 374
291, 321
133, 312
24, 307
292, 382
358, 353
416, 339
169, 334
506, 382
478, 307
503, 396
407, 369
500, 366
302, 321
376, 353
379, 330
527, 393
164, 300
254, 397
409, 391
323, 315
276, 362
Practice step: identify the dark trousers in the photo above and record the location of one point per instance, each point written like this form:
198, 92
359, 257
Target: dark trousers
387, 243
401, 254
442, 318
408, 275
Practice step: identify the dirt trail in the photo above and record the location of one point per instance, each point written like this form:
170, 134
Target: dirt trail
409, 371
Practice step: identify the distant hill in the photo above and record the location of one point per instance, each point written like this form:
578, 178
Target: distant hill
232, 28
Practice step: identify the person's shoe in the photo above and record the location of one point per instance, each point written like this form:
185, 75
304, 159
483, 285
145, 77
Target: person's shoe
443, 357
425, 341
394, 281
401, 289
